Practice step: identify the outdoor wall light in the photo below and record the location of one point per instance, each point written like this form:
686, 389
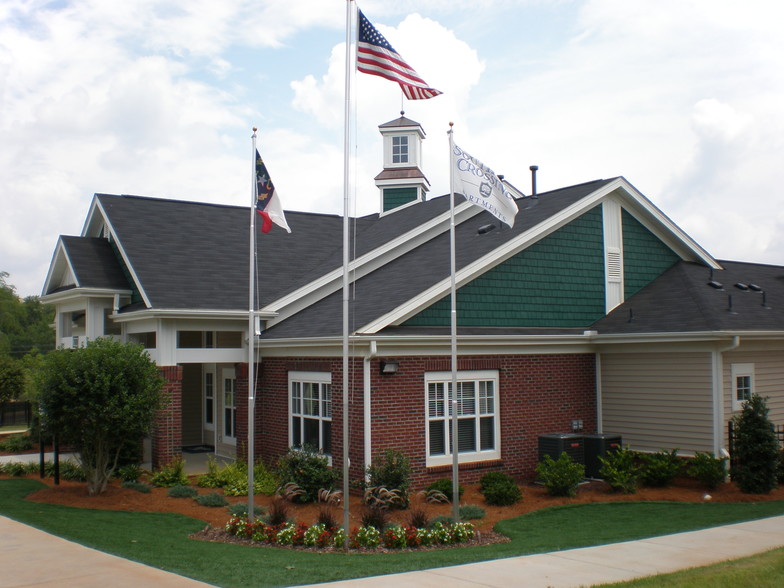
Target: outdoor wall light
389, 367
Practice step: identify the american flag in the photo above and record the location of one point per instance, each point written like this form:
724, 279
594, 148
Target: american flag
376, 56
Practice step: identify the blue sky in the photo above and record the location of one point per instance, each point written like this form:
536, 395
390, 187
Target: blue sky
158, 98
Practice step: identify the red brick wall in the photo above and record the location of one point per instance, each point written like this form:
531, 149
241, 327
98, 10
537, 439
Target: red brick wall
167, 429
538, 394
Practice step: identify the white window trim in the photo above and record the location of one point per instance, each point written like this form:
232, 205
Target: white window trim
211, 373
309, 377
740, 370
464, 376
413, 153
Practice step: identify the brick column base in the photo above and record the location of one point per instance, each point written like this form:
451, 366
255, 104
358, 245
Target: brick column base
167, 429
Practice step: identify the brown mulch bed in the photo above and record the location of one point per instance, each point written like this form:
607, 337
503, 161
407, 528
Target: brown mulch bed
534, 498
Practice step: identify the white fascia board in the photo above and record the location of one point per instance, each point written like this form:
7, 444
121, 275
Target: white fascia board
58, 257
131, 270
188, 313
81, 294
332, 281
653, 219
405, 181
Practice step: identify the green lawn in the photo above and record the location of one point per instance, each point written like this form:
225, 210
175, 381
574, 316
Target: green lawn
161, 540
760, 571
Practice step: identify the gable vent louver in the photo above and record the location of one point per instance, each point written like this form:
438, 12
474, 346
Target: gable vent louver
613, 264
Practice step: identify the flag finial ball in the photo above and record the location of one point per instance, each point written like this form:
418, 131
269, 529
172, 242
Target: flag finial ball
255, 129
451, 124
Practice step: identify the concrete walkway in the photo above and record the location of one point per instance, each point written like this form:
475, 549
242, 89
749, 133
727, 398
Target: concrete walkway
29, 557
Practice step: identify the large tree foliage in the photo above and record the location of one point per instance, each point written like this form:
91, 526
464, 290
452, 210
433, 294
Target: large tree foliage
25, 324
96, 399
756, 448
12, 378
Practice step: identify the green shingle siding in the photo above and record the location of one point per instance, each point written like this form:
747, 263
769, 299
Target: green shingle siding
645, 257
557, 282
394, 197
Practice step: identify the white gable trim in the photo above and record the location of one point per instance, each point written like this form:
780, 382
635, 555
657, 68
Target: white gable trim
97, 209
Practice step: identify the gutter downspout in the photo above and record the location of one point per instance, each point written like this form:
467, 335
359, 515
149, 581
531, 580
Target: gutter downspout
718, 396
368, 430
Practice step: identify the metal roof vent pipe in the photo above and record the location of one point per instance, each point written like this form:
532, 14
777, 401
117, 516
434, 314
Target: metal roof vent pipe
533, 169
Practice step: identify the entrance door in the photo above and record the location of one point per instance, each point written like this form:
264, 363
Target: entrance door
209, 404
227, 413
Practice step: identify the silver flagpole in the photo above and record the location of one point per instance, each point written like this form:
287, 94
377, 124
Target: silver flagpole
453, 297
346, 290
251, 331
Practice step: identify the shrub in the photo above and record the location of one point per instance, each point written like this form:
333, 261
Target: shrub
560, 476
491, 478
307, 469
502, 492
172, 474
73, 472
374, 516
130, 472
620, 470
16, 443
756, 448
780, 468
212, 499
14, 468
278, 513
384, 498
240, 509
418, 518
444, 486
391, 469
708, 470
659, 469
138, 486
180, 491
472, 511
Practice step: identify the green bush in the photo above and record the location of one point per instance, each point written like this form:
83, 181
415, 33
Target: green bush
502, 492
181, 491
391, 469
172, 474
708, 470
73, 472
780, 468
491, 478
307, 469
620, 470
138, 486
756, 449
130, 472
16, 443
444, 486
213, 499
560, 476
233, 478
660, 469
240, 509
470, 512
13, 468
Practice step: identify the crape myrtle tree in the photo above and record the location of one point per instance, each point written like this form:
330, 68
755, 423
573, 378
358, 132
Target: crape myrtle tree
97, 398
756, 448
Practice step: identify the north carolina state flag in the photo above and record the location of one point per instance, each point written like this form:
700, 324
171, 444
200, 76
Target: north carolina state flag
267, 201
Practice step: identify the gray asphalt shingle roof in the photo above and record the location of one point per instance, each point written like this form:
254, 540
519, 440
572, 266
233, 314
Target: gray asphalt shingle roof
94, 263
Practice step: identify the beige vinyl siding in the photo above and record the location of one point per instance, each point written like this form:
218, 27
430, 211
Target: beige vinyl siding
768, 379
658, 400
191, 404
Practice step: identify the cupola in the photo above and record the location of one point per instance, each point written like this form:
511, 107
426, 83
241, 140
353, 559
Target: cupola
402, 181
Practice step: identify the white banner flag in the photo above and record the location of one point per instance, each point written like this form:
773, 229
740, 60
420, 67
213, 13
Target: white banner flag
480, 186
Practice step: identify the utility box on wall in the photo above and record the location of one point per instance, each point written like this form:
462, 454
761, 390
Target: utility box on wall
554, 444
596, 446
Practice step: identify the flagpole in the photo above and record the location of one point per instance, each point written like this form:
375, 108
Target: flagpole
251, 332
453, 330
346, 289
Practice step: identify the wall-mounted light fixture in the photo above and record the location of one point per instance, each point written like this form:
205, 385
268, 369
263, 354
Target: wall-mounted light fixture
389, 367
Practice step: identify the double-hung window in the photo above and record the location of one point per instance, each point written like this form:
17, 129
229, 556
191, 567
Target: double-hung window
478, 422
742, 384
310, 409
